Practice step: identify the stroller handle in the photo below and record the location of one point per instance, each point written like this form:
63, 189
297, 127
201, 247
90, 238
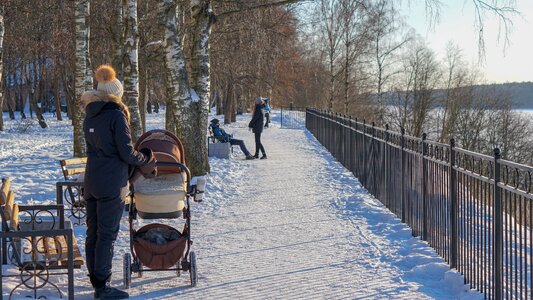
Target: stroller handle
175, 164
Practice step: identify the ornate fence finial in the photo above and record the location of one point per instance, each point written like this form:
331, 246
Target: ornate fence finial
497, 153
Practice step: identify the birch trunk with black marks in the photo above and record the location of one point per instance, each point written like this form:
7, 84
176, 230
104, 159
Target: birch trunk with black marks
2, 29
82, 52
88, 65
203, 19
117, 40
131, 67
180, 99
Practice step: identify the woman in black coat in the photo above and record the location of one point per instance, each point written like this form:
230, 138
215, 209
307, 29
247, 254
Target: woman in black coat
110, 154
256, 124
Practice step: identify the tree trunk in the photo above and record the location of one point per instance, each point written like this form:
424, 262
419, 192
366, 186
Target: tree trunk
57, 96
188, 109
34, 93
88, 66
143, 88
131, 67
170, 124
117, 42
228, 105
201, 12
82, 52
218, 103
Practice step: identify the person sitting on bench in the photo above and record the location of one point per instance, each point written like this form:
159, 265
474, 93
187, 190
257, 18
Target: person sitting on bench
224, 137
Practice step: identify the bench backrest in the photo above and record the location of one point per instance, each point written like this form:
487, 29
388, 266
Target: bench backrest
211, 134
9, 211
72, 167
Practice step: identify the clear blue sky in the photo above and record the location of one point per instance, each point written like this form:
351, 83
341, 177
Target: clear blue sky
457, 24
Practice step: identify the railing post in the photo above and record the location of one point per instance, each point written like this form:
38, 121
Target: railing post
424, 189
386, 162
346, 141
498, 229
364, 154
453, 207
350, 144
372, 160
305, 118
402, 173
281, 117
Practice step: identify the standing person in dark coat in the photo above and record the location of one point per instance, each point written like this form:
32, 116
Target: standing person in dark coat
256, 124
110, 154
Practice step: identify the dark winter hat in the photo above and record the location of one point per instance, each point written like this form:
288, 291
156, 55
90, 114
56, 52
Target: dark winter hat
215, 120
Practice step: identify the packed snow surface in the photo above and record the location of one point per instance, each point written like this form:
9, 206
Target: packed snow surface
295, 226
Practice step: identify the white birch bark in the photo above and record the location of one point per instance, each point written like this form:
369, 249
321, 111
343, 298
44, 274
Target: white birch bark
178, 89
82, 51
201, 12
131, 67
117, 42
2, 29
88, 66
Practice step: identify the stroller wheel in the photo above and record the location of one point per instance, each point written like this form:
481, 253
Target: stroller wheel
192, 269
127, 270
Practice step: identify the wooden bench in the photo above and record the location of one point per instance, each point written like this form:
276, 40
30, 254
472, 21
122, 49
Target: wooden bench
73, 170
39, 242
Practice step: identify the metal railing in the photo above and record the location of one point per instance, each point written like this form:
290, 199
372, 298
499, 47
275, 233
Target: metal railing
292, 117
475, 210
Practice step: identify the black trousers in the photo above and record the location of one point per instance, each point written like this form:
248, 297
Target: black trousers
267, 116
240, 143
103, 224
258, 145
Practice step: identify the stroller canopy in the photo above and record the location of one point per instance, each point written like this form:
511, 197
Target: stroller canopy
166, 147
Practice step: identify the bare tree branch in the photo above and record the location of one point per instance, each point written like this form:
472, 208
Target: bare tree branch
257, 6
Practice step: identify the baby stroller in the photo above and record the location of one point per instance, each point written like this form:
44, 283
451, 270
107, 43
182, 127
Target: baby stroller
160, 247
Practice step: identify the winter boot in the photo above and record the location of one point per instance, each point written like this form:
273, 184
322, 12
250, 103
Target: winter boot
106, 292
256, 155
249, 157
264, 156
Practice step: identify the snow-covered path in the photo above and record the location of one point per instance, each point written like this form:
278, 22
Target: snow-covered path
295, 226
299, 226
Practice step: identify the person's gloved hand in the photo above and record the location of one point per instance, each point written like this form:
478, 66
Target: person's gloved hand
148, 170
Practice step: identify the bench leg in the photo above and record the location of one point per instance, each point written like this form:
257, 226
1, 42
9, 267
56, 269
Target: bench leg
70, 265
4, 251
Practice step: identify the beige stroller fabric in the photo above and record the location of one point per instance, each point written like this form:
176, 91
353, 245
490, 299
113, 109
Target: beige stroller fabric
162, 194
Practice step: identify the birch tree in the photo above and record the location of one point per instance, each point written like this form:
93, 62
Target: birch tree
179, 99
131, 67
203, 18
329, 12
82, 52
88, 65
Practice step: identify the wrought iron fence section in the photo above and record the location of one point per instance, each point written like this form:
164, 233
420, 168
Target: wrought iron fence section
475, 210
293, 117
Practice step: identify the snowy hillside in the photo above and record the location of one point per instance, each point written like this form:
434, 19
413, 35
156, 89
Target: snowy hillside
295, 226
